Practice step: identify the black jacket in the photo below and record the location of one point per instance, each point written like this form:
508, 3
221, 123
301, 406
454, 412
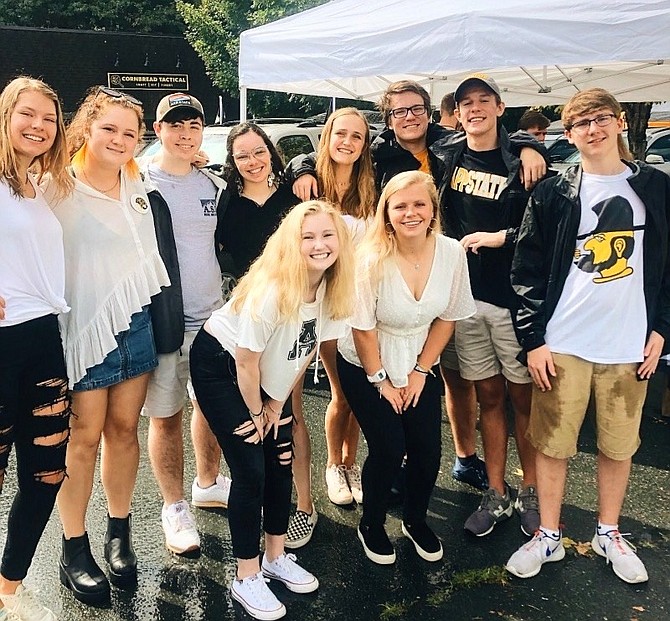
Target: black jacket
546, 245
167, 307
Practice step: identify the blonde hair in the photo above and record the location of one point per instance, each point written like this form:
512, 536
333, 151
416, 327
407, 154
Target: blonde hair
92, 108
53, 161
380, 242
359, 199
281, 264
591, 100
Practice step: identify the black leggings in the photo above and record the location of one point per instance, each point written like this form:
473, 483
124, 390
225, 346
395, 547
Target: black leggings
34, 417
261, 470
416, 433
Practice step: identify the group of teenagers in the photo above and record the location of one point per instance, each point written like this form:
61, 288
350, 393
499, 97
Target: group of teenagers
430, 258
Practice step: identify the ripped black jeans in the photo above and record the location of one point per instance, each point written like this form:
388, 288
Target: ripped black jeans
34, 418
261, 471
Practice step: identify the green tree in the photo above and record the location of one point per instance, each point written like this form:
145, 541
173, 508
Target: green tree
213, 28
143, 16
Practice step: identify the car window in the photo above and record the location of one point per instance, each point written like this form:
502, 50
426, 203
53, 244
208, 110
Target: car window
296, 144
661, 147
561, 150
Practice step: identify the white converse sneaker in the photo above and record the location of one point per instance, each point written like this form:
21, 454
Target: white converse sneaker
527, 561
23, 605
353, 474
257, 598
213, 496
338, 488
621, 553
286, 570
181, 535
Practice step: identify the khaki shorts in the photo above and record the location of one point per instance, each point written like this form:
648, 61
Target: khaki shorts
557, 415
449, 357
487, 346
170, 384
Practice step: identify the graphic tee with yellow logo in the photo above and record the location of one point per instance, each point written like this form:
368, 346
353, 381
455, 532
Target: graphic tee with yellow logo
601, 314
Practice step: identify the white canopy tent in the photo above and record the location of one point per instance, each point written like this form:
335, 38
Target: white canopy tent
539, 53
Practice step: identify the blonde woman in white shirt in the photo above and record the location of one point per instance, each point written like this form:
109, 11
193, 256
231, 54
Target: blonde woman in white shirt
34, 406
412, 285
112, 270
245, 362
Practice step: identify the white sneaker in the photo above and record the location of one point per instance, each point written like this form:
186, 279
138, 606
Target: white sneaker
181, 535
8, 615
353, 474
338, 488
213, 496
25, 606
257, 598
621, 553
286, 570
527, 561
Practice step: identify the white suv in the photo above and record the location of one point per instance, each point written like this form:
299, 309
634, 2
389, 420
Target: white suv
291, 136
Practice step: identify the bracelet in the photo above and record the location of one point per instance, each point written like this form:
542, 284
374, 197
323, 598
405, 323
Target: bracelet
259, 414
419, 369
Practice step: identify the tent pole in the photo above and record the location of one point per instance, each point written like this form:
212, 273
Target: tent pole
243, 104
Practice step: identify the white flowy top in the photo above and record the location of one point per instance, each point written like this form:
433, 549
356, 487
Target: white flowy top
112, 268
401, 321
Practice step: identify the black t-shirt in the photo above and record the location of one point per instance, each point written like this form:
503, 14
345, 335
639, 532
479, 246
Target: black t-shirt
473, 204
246, 226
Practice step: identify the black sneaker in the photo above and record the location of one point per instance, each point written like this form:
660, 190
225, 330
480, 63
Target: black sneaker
472, 473
425, 541
493, 508
528, 508
377, 546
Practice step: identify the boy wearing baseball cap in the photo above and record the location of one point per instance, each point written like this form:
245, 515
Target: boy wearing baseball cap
186, 202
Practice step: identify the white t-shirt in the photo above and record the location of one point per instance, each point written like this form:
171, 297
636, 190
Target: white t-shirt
601, 315
32, 265
402, 322
112, 268
286, 346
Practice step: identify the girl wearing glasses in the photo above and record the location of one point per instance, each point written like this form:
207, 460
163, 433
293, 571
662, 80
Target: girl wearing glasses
245, 362
112, 268
34, 406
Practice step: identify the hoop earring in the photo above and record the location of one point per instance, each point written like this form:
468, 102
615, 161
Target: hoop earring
389, 231
433, 223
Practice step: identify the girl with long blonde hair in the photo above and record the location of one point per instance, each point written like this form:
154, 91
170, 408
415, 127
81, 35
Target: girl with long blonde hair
34, 405
245, 362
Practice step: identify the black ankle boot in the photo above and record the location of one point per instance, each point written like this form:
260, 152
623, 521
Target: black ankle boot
119, 552
80, 573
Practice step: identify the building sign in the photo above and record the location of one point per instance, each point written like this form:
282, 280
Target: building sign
148, 81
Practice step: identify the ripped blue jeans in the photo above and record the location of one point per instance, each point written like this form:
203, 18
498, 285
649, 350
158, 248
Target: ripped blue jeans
34, 420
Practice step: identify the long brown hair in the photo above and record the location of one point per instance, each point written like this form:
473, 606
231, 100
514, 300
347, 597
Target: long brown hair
359, 200
54, 161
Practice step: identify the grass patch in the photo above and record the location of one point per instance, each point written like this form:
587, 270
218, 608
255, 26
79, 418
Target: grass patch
394, 610
467, 580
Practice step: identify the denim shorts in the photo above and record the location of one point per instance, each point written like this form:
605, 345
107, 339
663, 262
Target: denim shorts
134, 355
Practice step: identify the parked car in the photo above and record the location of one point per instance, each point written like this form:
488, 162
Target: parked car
291, 136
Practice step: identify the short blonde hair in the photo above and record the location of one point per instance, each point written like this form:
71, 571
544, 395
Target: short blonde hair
54, 161
92, 108
592, 100
282, 265
380, 241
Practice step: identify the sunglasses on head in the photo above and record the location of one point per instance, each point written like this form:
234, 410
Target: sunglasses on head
110, 92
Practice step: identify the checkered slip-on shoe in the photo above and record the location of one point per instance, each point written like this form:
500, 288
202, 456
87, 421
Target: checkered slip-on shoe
300, 529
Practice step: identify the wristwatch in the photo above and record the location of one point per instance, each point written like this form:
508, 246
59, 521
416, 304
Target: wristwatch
377, 377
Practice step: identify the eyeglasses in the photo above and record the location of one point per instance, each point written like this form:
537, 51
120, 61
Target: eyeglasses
243, 158
110, 92
583, 126
401, 113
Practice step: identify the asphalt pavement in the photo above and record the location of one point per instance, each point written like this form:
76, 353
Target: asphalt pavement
469, 583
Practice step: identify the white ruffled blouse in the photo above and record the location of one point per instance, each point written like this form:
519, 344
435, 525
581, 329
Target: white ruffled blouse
112, 268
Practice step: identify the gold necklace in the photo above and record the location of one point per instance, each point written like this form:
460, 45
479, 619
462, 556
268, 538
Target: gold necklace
96, 188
